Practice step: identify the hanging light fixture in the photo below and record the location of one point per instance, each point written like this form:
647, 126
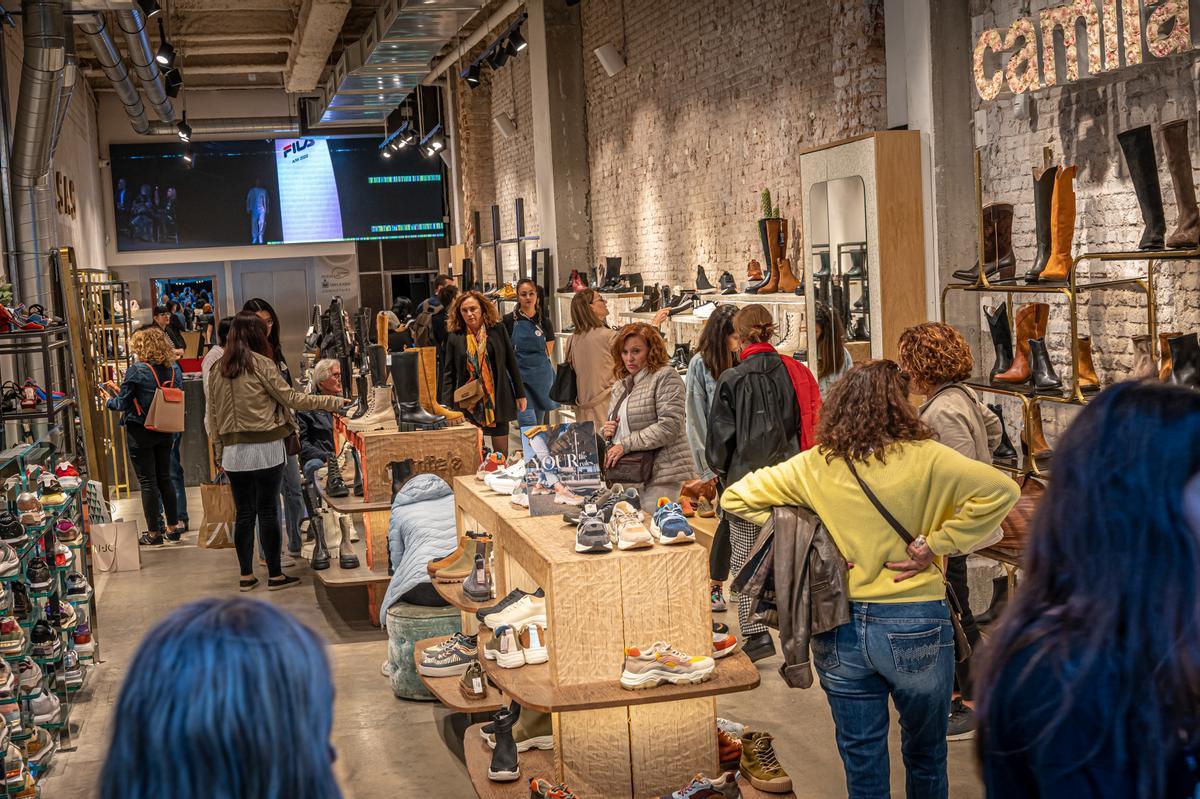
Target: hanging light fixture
184, 129
149, 7
472, 75
188, 158
166, 53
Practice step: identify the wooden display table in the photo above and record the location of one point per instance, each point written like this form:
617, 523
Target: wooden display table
609, 742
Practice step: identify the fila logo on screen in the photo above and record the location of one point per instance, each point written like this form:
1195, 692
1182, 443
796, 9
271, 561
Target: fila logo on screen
1116, 33
293, 149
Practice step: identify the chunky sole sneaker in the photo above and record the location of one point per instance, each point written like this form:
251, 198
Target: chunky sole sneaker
668, 538
655, 677
660, 663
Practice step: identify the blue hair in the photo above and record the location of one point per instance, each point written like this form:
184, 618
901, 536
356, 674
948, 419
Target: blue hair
226, 698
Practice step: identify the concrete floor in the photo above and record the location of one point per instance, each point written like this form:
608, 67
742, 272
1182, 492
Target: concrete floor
389, 747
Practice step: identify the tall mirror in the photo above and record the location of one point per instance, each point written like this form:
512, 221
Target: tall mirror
840, 273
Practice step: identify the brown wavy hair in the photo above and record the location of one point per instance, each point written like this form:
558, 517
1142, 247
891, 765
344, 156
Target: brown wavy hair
454, 320
934, 353
151, 345
582, 315
867, 411
657, 358
754, 324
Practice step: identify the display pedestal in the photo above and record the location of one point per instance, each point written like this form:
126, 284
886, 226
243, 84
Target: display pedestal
608, 741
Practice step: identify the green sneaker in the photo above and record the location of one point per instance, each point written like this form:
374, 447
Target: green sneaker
760, 766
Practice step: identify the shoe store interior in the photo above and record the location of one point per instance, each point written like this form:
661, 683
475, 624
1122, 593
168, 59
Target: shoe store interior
784, 406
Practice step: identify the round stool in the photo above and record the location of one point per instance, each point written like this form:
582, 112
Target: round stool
406, 625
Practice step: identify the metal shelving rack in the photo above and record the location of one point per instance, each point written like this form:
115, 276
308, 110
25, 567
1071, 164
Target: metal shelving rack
105, 342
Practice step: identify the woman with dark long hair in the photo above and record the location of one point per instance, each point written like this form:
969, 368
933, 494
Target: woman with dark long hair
248, 707
899, 644
1090, 684
293, 500
250, 412
532, 335
833, 359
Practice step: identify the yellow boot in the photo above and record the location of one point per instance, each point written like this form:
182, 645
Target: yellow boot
428, 383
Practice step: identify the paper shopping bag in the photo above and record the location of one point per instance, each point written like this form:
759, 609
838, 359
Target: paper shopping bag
115, 546
216, 531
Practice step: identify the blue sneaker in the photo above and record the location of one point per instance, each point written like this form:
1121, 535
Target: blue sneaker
668, 526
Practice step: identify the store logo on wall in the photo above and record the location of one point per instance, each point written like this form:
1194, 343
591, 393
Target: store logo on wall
1112, 28
64, 195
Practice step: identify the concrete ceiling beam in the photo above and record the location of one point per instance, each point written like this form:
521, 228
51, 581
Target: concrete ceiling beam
317, 31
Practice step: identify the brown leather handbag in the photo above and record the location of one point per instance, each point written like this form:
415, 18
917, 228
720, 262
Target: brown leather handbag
1018, 521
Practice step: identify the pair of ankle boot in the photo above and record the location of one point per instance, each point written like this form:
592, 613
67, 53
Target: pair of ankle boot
474, 549
333, 533
1029, 362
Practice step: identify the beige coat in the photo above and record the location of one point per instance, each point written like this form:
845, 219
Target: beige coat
962, 422
590, 354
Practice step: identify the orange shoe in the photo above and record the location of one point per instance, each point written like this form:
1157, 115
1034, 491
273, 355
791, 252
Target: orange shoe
729, 750
688, 510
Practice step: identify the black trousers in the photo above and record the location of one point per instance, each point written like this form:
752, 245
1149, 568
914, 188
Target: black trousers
150, 453
256, 497
721, 552
956, 575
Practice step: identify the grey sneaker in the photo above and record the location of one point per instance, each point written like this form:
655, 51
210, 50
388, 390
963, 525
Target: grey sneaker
478, 585
450, 662
962, 722
592, 533
605, 500
504, 649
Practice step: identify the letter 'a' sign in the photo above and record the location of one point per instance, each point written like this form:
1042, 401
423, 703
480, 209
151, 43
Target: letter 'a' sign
1116, 33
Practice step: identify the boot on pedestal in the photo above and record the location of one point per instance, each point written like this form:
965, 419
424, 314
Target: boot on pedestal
1001, 339
1045, 379
1043, 200
702, 284
787, 279
999, 262
1004, 451
1088, 380
357, 489
1062, 227
1033, 440
320, 553
428, 378
1164, 355
1138, 146
406, 380
1186, 234
347, 558
363, 390
1031, 318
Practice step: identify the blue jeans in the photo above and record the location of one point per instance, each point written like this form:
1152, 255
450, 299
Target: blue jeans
177, 479
310, 468
905, 651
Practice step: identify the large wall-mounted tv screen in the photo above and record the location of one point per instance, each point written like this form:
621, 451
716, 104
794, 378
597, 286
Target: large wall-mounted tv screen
272, 191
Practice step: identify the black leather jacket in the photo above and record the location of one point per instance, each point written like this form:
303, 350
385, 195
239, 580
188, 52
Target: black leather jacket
754, 418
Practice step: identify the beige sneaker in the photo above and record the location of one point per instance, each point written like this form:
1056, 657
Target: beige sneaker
647, 668
533, 643
627, 529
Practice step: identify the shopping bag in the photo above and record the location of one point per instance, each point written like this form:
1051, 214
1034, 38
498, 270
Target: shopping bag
115, 546
216, 531
166, 409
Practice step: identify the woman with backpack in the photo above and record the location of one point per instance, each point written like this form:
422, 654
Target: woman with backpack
742, 437
150, 450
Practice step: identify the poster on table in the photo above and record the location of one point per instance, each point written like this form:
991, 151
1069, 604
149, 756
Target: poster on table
560, 460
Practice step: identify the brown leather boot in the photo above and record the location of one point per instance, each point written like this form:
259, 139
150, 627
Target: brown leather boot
441, 563
1179, 161
1164, 356
428, 383
1143, 361
462, 566
1027, 326
787, 279
381, 328
1033, 440
1088, 381
1062, 226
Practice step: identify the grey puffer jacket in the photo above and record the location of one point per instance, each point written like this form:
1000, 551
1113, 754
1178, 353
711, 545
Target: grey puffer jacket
655, 414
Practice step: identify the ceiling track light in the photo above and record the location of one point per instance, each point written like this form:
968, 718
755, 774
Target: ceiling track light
166, 53
472, 74
174, 81
188, 158
434, 143
498, 56
516, 41
184, 129
149, 7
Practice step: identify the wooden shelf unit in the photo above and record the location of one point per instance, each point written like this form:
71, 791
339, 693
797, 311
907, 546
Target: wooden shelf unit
453, 593
446, 688
534, 763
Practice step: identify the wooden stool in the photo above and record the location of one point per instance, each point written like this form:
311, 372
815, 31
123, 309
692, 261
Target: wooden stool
406, 625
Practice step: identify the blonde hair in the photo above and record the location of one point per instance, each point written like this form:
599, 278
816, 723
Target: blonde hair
151, 345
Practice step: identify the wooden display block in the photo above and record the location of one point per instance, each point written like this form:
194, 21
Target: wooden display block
534, 763
446, 688
448, 453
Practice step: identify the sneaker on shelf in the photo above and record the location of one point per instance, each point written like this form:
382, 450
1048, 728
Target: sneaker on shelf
82, 635
511, 598
659, 663
532, 640
66, 531
43, 705
704, 508
520, 497
68, 476
478, 585
14, 767
67, 617
63, 557
8, 679
12, 637
627, 529
668, 526
6, 600
686, 508
505, 480
473, 683
451, 661
605, 500
30, 508
46, 643
494, 461
38, 575
532, 730
52, 492
40, 748
544, 789
505, 766
503, 648
29, 674
729, 750
701, 787
10, 713
525, 610
718, 599
760, 766
724, 642
471, 640
962, 721
12, 532
29, 790
591, 534
72, 671
10, 561
78, 588
21, 603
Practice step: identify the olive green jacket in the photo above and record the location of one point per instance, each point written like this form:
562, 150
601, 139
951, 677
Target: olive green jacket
257, 406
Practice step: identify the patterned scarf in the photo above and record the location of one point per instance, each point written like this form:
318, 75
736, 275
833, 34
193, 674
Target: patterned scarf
478, 368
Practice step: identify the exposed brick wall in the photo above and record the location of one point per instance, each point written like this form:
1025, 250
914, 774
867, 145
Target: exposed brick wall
1080, 122
512, 158
473, 108
717, 100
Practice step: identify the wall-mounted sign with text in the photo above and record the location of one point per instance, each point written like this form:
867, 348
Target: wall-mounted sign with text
1117, 33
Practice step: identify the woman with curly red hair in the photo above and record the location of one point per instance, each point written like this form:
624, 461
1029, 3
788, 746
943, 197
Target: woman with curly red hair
900, 642
938, 359
646, 412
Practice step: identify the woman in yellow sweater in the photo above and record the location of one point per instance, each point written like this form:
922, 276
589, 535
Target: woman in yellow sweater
900, 642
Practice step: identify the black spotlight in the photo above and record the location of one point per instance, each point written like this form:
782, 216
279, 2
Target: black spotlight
408, 138
149, 7
516, 42
187, 156
471, 75
185, 130
385, 151
498, 56
174, 80
166, 53
434, 143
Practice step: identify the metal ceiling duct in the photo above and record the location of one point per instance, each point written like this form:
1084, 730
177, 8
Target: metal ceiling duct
374, 75
37, 106
133, 24
70, 75
113, 65
253, 126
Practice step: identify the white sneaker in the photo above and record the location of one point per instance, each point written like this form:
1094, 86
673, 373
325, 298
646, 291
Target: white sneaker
519, 497
526, 610
505, 480
627, 529
10, 562
44, 706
